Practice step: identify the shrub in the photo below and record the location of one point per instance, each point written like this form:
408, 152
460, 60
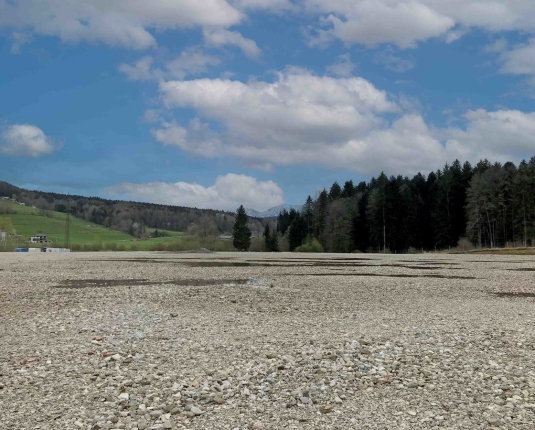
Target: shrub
257, 244
465, 245
110, 246
310, 246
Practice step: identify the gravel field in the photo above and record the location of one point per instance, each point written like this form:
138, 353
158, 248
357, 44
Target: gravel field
266, 341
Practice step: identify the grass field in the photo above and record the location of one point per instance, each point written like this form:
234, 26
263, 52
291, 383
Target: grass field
28, 221
86, 236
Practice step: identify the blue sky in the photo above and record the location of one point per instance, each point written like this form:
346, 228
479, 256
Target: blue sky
260, 102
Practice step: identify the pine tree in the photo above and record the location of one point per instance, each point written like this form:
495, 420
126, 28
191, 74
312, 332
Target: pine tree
241, 233
308, 214
297, 232
349, 189
271, 239
335, 192
274, 242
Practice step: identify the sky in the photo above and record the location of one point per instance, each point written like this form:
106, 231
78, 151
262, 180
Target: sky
218, 103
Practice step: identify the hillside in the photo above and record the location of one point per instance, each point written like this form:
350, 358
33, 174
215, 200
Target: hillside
28, 221
133, 218
21, 222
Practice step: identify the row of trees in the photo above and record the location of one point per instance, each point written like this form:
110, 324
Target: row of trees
491, 204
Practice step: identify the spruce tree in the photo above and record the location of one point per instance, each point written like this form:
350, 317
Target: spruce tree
240, 232
274, 242
267, 239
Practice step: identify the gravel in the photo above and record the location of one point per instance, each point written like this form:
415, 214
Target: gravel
266, 341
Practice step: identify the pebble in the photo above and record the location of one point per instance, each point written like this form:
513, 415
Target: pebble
210, 368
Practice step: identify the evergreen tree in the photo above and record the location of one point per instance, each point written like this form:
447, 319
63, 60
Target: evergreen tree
321, 209
267, 239
271, 241
338, 228
492, 204
241, 233
308, 214
335, 192
274, 242
349, 189
297, 232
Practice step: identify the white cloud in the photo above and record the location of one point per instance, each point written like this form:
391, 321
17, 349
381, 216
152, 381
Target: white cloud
499, 45
343, 67
192, 61
141, 70
228, 192
112, 21
520, 60
151, 116
298, 110
407, 22
499, 135
372, 23
197, 138
221, 37
301, 118
25, 140
393, 62
271, 5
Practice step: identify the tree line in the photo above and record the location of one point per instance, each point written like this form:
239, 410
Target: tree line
489, 205
130, 217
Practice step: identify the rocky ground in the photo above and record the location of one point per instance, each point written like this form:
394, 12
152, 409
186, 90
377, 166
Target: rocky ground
266, 341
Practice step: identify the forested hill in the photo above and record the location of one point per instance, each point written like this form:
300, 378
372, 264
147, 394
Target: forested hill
488, 204
130, 217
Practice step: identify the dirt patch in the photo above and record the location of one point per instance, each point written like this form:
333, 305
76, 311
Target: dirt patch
100, 283
382, 275
519, 295
429, 262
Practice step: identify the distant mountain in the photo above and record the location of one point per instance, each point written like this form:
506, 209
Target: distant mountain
272, 212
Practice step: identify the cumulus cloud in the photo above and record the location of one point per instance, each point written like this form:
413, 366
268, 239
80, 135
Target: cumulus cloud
520, 60
298, 109
343, 67
499, 45
192, 61
25, 140
374, 23
111, 22
221, 37
406, 22
394, 62
297, 104
302, 118
271, 5
141, 70
498, 135
228, 192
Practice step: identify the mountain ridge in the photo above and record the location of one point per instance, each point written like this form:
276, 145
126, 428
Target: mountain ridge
271, 212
